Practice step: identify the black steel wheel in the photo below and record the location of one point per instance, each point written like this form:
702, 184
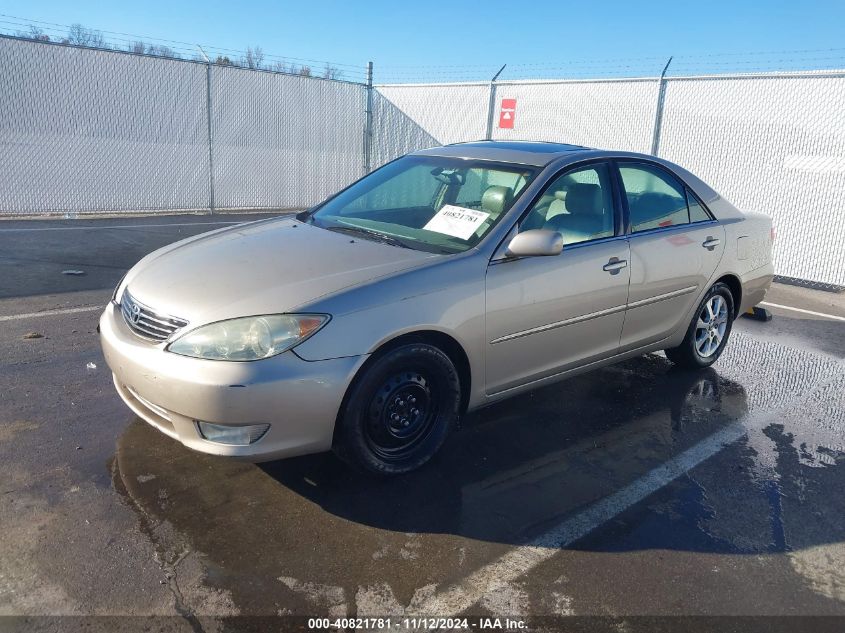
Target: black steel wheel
399, 410
402, 413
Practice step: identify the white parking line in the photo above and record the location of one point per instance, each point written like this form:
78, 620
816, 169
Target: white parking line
803, 311
32, 315
118, 226
457, 598
499, 574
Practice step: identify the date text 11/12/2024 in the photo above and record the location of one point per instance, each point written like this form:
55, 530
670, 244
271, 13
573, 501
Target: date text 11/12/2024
414, 623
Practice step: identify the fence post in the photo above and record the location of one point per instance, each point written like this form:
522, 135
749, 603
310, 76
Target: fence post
368, 122
491, 104
208, 123
658, 114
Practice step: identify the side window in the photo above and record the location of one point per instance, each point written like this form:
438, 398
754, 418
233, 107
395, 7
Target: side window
578, 204
696, 211
655, 199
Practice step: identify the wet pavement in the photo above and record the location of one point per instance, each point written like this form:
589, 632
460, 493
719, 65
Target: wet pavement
636, 490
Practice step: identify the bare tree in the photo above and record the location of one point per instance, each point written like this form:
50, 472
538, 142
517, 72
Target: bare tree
162, 51
254, 58
33, 33
79, 35
331, 72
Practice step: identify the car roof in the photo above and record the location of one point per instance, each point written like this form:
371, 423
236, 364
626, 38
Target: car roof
535, 153
542, 153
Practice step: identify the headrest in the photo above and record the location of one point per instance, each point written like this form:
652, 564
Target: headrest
496, 199
560, 195
584, 199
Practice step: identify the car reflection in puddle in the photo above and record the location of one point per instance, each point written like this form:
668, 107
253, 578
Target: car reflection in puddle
512, 471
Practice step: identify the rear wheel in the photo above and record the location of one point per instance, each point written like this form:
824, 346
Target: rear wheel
708, 333
400, 410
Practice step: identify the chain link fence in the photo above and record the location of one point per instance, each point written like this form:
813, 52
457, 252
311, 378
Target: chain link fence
772, 142
283, 141
92, 131
614, 114
96, 131
86, 130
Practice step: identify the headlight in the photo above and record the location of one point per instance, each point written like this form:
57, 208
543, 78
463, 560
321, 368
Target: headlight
249, 338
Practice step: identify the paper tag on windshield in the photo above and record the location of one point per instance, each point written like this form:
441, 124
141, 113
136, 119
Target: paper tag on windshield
458, 222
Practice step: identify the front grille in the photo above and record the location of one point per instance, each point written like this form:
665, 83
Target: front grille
146, 322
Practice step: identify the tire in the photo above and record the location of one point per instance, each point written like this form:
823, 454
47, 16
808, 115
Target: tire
400, 410
704, 343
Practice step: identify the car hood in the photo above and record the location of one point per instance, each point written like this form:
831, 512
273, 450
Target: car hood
265, 267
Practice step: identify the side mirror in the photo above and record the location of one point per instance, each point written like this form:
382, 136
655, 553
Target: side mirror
535, 243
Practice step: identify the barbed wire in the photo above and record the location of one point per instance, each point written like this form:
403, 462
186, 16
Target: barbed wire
178, 49
745, 62
817, 59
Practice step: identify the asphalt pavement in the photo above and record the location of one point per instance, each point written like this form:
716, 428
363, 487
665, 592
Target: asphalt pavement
632, 498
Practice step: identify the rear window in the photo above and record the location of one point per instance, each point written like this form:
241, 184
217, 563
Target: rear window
697, 213
655, 199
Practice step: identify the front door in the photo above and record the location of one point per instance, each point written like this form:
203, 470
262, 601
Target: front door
549, 314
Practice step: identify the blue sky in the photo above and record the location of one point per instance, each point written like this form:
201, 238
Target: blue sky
451, 40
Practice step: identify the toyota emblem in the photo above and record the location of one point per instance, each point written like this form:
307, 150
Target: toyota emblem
136, 313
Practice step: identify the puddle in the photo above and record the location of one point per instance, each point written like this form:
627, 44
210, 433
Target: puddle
283, 535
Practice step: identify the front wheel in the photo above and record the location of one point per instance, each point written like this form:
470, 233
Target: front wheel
400, 410
709, 331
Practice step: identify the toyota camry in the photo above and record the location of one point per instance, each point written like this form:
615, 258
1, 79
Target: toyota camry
442, 282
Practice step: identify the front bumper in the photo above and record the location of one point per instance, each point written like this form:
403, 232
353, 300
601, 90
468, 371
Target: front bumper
298, 399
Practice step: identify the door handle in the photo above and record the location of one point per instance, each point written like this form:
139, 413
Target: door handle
711, 242
615, 265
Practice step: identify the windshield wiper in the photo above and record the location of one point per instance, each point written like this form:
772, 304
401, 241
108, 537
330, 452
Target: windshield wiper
305, 216
370, 234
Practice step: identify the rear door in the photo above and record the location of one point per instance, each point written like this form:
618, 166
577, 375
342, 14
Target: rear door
548, 314
675, 248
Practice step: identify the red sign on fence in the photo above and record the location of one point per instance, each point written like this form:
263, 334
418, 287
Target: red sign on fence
507, 113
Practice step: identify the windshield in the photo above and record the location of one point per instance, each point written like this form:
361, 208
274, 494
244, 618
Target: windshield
442, 205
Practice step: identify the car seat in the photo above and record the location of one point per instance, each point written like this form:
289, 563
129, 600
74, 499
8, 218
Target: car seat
495, 200
582, 217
